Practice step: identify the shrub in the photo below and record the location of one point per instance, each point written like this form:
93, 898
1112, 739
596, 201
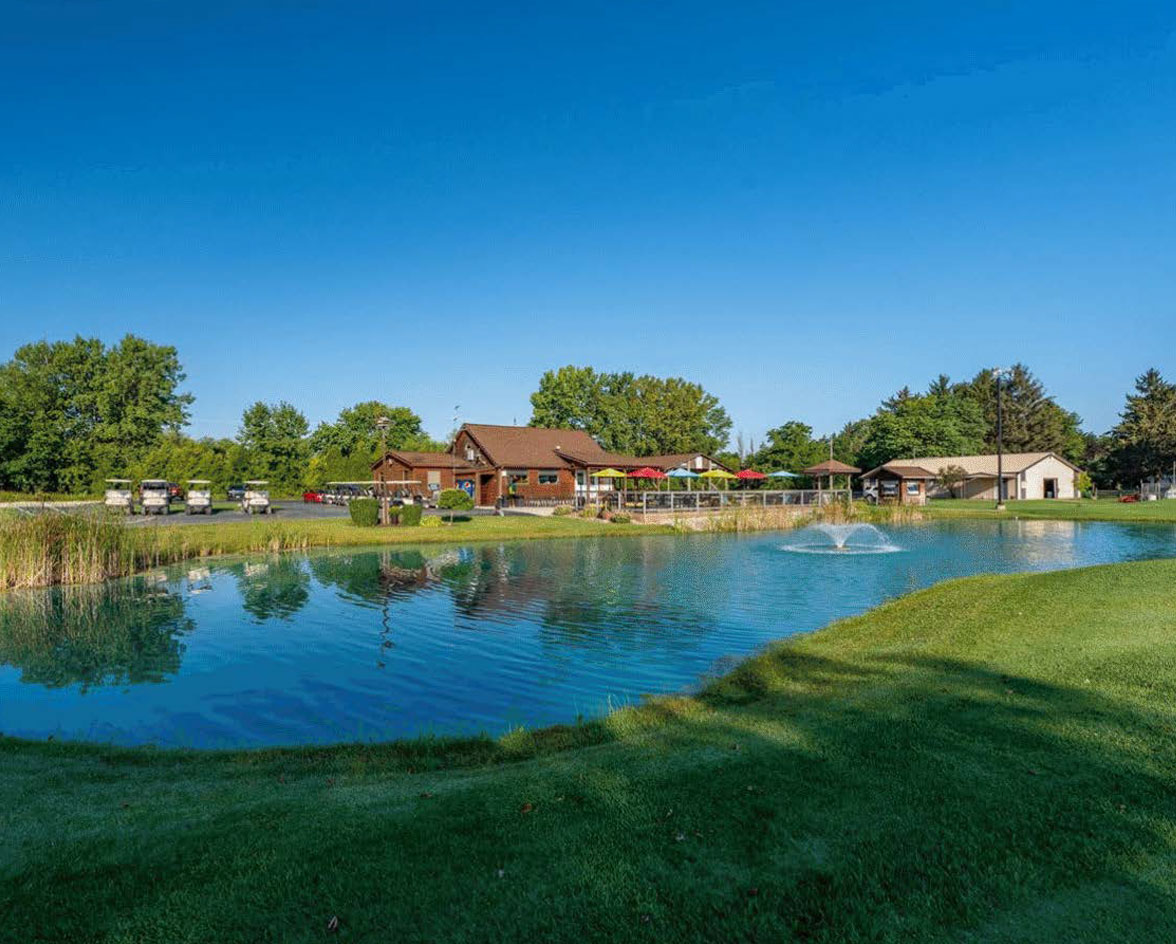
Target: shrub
620, 518
410, 515
591, 511
365, 512
561, 510
454, 499
431, 522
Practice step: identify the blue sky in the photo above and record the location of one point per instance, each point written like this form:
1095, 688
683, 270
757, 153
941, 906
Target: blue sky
802, 206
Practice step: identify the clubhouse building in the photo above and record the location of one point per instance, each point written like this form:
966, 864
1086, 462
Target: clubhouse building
524, 465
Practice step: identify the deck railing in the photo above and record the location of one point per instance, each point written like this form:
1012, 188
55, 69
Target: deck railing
718, 500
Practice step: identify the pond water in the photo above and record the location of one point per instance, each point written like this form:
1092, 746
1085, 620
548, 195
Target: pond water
338, 646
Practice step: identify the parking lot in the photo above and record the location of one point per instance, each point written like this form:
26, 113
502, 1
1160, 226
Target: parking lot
223, 512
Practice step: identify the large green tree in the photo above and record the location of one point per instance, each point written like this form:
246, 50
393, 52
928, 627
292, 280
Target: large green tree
1032, 421
274, 436
354, 431
941, 422
1145, 438
789, 447
72, 412
640, 415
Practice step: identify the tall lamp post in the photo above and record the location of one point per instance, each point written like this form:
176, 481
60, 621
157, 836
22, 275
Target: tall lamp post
382, 425
999, 373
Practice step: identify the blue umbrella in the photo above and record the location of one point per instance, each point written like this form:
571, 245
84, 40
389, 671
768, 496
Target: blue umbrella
682, 474
783, 475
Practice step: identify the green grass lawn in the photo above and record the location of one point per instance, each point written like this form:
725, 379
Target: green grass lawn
1082, 510
991, 760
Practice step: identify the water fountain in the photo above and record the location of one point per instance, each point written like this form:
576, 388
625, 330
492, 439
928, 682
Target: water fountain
841, 539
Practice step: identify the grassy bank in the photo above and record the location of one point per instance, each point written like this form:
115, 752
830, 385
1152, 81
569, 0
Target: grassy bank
988, 760
43, 550
1083, 510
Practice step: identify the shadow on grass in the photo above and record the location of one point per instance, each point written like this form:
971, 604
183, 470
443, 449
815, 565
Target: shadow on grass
889, 798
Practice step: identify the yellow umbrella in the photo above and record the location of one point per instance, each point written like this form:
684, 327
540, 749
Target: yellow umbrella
716, 474
608, 474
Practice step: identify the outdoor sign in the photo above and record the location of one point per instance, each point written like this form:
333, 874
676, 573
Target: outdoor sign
467, 486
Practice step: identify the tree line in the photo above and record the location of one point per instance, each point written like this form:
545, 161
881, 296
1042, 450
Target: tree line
73, 413
643, 415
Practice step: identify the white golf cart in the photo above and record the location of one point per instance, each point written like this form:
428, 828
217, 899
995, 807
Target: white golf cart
120, 495
199, 499
155, 496
256, 500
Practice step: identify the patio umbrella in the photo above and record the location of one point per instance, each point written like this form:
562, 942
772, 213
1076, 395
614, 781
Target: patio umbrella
682, 474
749, 475
606, 474
783, 475
717, 474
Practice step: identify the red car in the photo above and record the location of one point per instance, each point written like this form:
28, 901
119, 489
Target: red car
1128, 499
312, 497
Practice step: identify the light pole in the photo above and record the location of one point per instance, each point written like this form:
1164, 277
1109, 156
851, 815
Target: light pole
382, 425
999, 374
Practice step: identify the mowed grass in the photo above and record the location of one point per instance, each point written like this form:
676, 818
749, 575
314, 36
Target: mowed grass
1078, 510
990, 760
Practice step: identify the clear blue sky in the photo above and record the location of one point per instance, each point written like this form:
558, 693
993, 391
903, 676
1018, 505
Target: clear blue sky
803, 206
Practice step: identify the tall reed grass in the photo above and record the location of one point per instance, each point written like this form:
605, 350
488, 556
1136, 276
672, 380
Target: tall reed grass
44, 550
786, 518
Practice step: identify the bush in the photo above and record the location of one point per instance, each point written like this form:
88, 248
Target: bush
454, 499
561, 510
410, 515
365, 512
591, 511
620, 518
433, 522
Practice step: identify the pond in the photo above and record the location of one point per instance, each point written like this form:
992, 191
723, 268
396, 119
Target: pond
339, 646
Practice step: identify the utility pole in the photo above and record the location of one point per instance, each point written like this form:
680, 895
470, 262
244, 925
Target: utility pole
382, 425
998, 373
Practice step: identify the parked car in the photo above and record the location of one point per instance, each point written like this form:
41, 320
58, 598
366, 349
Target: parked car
1129, 499
312, 497
236, 492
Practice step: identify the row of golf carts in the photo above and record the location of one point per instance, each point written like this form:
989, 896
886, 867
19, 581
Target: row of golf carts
155, 497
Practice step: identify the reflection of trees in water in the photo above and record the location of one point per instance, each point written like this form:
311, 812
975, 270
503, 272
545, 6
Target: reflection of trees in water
275, 588
373, 576
588, 592
123, 633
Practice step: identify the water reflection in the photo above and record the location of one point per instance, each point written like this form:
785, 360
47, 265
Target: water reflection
377, 644
112, 634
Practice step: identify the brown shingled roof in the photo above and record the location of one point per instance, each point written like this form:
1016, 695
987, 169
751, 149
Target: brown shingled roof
427, 460
531, 447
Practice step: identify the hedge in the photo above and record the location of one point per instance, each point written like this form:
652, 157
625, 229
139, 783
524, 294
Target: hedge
455, 499
365, 512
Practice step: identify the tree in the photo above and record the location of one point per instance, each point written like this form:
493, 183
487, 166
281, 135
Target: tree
943, 422
274, 437
354, 432
789, 448
73, 412
1032, 421
950, 476
643, 415
1145, 438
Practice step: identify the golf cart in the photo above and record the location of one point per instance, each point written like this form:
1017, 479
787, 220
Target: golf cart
154, 496
199, 500
119, 495
256, 500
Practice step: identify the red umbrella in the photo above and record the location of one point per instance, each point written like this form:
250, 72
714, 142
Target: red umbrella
647, 473
749, 474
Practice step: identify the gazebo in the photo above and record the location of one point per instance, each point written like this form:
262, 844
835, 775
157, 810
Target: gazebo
831, 467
